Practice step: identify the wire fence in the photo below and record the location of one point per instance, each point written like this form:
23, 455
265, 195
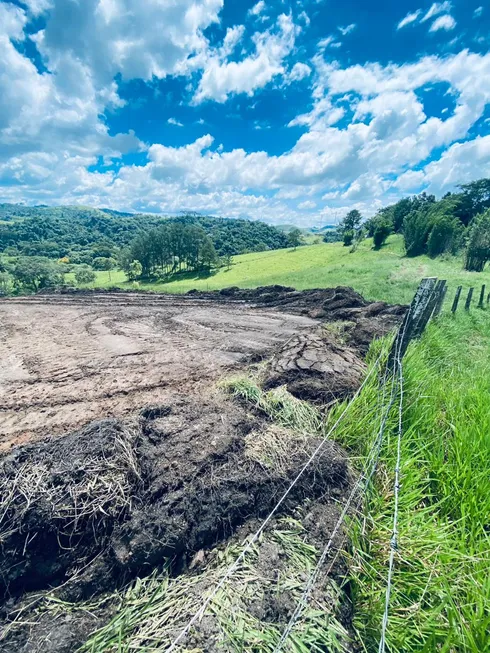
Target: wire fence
427, 304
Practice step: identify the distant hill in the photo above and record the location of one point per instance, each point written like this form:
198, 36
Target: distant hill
84, 233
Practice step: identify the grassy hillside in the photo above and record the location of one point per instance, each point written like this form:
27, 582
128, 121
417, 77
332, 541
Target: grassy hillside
379, 275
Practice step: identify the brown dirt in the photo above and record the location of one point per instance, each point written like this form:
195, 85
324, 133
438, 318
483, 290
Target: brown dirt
315, 368
66, 360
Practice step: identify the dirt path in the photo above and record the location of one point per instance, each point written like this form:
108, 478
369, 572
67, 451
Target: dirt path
66, 360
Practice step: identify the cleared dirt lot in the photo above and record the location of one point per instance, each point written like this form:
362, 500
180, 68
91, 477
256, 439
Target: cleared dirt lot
66, 360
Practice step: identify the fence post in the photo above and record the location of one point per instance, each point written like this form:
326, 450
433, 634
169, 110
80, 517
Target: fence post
428, 310
414, 321
456, 299
468, 299
482, 296
441, 291
488, 298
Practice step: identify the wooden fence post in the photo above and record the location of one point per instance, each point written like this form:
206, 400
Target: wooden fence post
440, 299
488, 298
456, 299
482, 296
414, 321
468, 299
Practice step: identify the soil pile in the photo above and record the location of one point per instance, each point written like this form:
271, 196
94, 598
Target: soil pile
364, 320
315, 368
113, 500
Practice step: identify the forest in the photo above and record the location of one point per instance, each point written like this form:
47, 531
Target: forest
85, 234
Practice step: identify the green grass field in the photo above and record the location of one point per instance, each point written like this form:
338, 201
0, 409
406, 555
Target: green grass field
379, 275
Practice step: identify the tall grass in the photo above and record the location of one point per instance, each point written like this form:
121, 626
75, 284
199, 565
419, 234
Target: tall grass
441, 586
440, 599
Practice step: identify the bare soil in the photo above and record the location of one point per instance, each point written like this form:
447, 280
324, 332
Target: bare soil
69, 359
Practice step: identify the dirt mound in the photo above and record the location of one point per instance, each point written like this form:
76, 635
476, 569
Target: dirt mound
367, 320
315, 368
182, 478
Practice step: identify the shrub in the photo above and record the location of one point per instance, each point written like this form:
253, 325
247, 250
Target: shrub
478, 248
84, 274
381, 228
445, 236
348, 238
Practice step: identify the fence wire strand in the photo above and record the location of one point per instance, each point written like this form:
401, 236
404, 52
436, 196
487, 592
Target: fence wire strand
362, 485
231, 570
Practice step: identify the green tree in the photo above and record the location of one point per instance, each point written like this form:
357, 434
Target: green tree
416, 230
478, 247
134, 270
351, 222
382, 227
295, 238
445, 236
6, 283
84, 275
35, 273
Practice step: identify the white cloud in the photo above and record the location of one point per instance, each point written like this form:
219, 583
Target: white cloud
446, 22
436, 9
222, 78
409, 19
329, 42
175, 122
347, 30
478, 12
307, 205
257, 8
364, 142
305, 18
299, 71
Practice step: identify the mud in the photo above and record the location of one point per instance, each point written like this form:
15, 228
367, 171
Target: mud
67, 360
188, 482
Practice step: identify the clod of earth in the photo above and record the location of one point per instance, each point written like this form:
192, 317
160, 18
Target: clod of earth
315, 368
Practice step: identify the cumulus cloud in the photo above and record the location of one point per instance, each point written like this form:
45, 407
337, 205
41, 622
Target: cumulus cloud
257, 8
175, 122
478, 12
446, 22
365, 139
409, 19
222, 78
299, 71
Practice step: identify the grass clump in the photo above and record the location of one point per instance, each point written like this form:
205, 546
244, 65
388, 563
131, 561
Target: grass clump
441, 590
278, 404
153, 611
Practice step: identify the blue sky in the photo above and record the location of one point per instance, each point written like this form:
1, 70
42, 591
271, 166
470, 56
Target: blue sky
272, 110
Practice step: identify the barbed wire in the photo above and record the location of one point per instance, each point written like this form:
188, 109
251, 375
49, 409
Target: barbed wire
394, 537
361, 484
231, 570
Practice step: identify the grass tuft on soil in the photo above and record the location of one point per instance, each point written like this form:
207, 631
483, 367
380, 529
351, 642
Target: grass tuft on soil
245, 615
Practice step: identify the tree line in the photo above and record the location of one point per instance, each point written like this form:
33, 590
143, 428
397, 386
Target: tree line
457, 223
